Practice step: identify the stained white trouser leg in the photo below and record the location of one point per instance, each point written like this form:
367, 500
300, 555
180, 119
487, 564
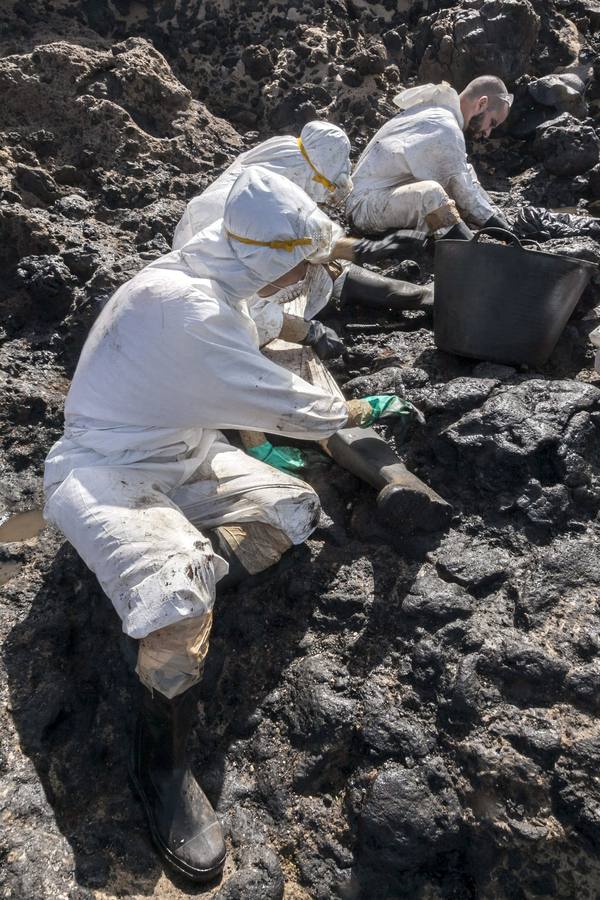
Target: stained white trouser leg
423, 205
231, 487
153, 563
268, 511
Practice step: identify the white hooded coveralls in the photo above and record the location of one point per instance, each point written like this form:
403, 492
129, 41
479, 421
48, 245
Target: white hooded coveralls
415, 165
328, 149
172, 359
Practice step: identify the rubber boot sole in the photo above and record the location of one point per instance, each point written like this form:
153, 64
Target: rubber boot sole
408, 509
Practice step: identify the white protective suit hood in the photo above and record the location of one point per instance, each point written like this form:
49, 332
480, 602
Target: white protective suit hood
327, 156
326, 146
328, 149
287, 217
431, 95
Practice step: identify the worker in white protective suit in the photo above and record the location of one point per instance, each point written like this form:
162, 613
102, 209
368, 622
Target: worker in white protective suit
150, 493
415, 172
318, 161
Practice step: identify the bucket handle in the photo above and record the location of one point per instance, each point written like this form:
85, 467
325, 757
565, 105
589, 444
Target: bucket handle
505, 235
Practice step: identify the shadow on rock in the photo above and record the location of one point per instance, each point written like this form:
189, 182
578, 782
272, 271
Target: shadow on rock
71, 697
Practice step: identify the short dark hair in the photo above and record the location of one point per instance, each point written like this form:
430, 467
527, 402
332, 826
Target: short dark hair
488, 86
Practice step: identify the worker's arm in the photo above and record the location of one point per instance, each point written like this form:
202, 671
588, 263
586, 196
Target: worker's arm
472, 201
395, 246
247, 391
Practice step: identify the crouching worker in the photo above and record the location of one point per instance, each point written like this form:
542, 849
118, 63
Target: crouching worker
318, 161
415, 172
152, 496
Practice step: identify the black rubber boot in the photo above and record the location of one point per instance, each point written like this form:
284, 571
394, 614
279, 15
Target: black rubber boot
404, 502
368, 289
458, 232
182, 822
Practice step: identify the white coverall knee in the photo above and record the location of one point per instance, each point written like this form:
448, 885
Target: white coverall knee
423, 205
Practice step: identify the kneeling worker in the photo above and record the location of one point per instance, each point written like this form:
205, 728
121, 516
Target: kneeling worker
415, 172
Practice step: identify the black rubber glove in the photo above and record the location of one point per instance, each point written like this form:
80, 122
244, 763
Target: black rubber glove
323, 340
394, 246
497, 221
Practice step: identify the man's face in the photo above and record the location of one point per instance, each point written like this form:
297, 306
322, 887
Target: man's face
486, 118
292, 277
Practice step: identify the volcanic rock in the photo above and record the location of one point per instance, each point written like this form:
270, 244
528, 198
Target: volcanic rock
480, 37
380, 716
566, 147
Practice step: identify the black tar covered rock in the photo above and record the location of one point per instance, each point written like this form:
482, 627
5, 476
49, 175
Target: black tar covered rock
526, 669
515, 434
566, 147
433, 600
481, 37
319, 711
470, 562
411, 816
389, 728
258, 878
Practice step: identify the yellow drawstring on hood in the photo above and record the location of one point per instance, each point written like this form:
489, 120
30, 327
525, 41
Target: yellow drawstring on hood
321, 179
288, 246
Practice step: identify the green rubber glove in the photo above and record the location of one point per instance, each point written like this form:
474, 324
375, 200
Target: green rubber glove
287, 459
387, 405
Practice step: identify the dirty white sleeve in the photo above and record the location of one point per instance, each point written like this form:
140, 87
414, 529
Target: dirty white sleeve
438, 153
248, 391
268, 318
470, 197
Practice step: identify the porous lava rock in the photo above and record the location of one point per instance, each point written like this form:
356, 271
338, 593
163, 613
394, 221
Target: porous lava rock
479, 37
566, 147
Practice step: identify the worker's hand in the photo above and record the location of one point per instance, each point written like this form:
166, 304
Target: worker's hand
323, 340
367, 410
394, 246
287, 459
360, 414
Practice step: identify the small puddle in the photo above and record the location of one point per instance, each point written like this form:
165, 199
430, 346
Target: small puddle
21, 527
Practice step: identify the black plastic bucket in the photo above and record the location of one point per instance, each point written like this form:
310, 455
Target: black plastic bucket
503, 303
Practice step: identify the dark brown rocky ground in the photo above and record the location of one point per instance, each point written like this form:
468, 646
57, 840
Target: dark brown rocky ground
382, 719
